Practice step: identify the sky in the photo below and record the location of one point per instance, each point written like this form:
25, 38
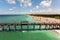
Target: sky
15, 6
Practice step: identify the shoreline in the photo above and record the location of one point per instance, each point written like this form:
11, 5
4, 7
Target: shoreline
57, 31
47, 20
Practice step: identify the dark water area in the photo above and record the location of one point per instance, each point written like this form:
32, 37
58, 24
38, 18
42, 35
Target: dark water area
14, 18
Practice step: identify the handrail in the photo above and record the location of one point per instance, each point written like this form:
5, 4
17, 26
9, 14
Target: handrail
29, 23
47, 26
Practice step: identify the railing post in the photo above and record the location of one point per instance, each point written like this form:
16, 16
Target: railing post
54, 26
0, 28
45, 27
33, 27
15, 28
58, 27
28, 27
21, 28
49, 27
9, 27
40, 27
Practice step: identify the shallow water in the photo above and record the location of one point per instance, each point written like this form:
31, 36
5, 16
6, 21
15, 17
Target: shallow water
36, 35
30, 35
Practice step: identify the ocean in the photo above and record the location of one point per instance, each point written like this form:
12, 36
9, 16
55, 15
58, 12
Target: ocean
28, 35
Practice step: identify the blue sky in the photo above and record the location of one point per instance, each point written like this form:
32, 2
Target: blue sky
28, 5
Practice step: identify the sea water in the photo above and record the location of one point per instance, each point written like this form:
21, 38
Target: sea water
27, 35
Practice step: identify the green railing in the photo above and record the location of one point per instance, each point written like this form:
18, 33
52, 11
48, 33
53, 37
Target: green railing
28, 26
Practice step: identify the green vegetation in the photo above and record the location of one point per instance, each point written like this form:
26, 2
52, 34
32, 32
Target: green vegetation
47, 15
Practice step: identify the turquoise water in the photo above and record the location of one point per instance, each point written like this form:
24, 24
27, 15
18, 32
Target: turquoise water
15, 18
34, 35
31, 35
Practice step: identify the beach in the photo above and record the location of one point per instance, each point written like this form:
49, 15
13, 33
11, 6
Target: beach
46, 20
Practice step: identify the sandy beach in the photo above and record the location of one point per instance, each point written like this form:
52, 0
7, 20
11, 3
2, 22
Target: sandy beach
46, 20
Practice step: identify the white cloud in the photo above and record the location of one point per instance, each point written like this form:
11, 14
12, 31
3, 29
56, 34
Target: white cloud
29, 4
12, 9
31, 11
46, 3
21, 1
37, 7
57, 11
25, 3
11, 1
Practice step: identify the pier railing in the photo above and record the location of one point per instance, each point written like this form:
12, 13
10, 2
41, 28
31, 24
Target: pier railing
29, 26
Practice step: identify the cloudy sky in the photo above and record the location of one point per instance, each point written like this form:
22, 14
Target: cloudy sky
28, 5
